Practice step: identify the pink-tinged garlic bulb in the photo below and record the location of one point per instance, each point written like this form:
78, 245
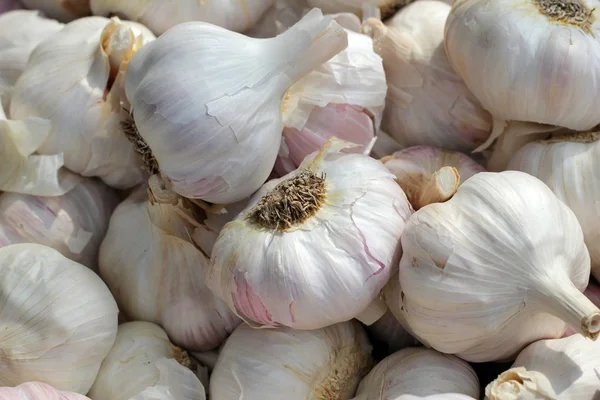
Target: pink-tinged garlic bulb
37, 391
62, 10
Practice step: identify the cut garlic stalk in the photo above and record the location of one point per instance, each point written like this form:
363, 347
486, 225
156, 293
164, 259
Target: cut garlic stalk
62, 10
37, 391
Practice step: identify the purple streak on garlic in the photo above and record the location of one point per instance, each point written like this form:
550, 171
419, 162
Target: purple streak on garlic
37, 391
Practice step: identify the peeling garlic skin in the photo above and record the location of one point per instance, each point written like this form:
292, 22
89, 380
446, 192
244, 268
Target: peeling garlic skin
37, 391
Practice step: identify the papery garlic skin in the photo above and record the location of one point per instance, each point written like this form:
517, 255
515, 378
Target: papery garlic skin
141, 359
75, 79
569, 165
155, 273
37, 391
523, 65
284, 271
62, 10
74, 223
58, 319
388, 330
226, 152
265, 364
491, 267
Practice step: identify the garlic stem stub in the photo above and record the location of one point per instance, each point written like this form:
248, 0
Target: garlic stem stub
325, 363
62, 10
37, 391
224, 154
500, 265
314, 247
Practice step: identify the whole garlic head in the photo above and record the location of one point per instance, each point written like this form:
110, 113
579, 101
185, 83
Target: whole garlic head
257, 364
37, 391
62, 10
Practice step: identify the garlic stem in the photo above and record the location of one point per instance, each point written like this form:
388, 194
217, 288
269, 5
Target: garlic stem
441, 187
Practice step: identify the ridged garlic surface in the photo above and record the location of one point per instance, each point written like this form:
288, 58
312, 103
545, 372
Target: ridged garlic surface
75, 79
419, 372
225, 152
62, 10
427, 102
257, 364
58, 319
144, 365
37, 391
155, 273
74, 223
500, 265
570, 166
314, 247
388, 330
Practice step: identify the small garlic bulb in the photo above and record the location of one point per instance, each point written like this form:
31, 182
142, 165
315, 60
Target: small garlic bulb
226, 152
37, 391
62, 10
551, 369
314, 247
325, 363
391, 332
500, 265
569, 165
75, 79
419, 372
144, 365
427, 102
57, 319
429, 175
155, 273
74, 223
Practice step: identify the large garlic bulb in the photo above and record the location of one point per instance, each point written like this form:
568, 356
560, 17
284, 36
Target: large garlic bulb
58, 319
206, 101
74, 223
62, 10
570, 166
427, 102
258, 364
155, 273
419, 372
37, 391
314, 247
144, 365
500, 265
75, 79
529, 60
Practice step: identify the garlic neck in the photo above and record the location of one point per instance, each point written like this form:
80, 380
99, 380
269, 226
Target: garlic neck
442, 185
518, 383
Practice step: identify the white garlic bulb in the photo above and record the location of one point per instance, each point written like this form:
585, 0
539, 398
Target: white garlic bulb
144, 365
258, 364
419, 372
427, 102
551, 369
527, 60
37, 391
226, 152
155, 273
74, 223
500, 265
62, 10
391, 332
75, 79
314, 247
570, 165
160, 15
58, 319
428, 175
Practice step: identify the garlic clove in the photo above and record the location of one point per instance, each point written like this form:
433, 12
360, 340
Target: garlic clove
518, 383
37, 391
62, 10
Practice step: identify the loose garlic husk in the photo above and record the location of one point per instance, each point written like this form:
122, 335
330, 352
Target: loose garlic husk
314, 247
144, 365
551, 369
75, 79
74, 223
258, 364
492, 269
58, 319
62, 10
430, 175
37, 391
391, 332
427, 102
155, 273
419, 372
569, 165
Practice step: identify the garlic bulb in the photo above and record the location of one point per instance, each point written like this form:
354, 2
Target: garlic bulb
75, 79
419, 372
155, 273
144, 365
428, 175
160, 15
74, 223
316, 246
498, 266
57, 319
257, 364
388, 330
527, 60
569, 165
427, 102
225, 153
62, 10
37, 391
551, 369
